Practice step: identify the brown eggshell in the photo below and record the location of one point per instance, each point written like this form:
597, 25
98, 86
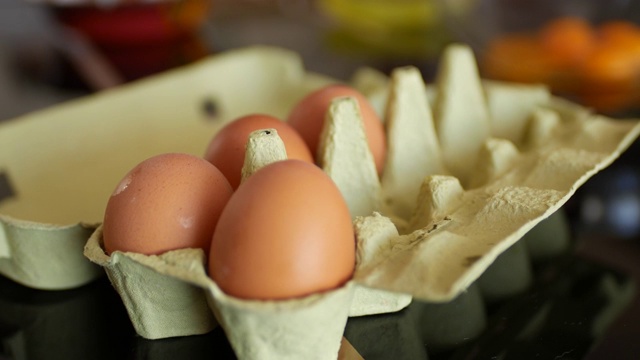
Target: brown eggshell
285, 233
167, 202
227, 148
308, 118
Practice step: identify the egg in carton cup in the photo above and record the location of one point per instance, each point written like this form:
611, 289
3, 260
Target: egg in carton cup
499, 159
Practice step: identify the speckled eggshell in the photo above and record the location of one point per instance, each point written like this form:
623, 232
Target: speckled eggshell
167, 202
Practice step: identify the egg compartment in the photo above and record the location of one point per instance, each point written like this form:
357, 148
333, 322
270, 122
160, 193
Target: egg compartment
44, 256
158, 305
59, 165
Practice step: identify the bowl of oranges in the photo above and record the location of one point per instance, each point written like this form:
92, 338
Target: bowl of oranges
588, 52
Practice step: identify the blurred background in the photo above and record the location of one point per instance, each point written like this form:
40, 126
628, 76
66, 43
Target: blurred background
52, 51
588, 51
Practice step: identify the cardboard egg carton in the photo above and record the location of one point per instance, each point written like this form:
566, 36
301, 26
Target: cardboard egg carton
472, 166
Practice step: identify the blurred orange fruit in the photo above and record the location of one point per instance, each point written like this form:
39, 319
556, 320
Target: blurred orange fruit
517, 57
599, 65
567, 40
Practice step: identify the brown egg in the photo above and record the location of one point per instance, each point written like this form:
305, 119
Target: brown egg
308, 117
167, 202
285, 233
227, 148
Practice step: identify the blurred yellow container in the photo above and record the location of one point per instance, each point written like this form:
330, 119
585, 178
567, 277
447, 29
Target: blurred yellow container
399, 27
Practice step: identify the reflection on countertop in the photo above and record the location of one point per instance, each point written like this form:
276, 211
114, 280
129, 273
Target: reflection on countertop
569, 309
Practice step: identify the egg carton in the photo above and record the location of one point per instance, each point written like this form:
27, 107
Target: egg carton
472, 166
